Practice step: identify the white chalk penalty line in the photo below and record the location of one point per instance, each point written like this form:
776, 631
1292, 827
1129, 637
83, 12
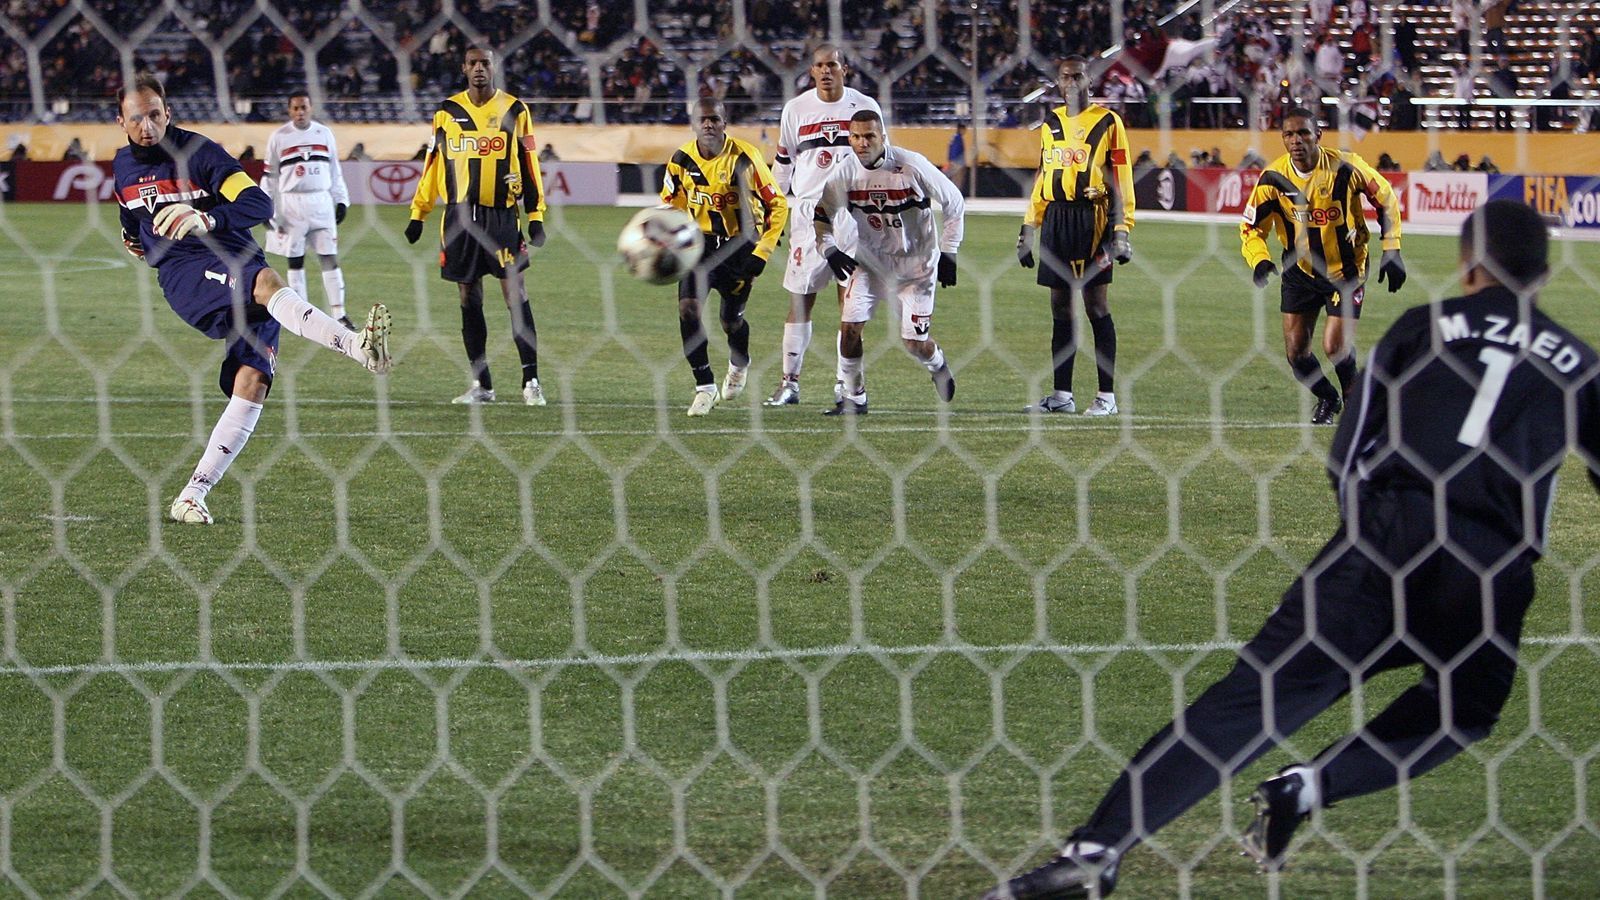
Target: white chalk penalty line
601, 660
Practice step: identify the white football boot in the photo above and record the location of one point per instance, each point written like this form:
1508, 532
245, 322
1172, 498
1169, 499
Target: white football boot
375, 339
532, 394
704, 402
733, 382
189, 512
475, 395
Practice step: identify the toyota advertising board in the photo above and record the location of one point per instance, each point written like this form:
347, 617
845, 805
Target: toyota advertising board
565, 183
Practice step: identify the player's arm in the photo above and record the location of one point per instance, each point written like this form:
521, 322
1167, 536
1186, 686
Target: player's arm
241, 204
1366, 417
1588, 437
1119, 177
269, 173
131, 240
835, 195
672, 190
1036, 205
765, 190
431, 184
952, 207
1380, 193
1265, 202
782, 164
337, 189
532, 176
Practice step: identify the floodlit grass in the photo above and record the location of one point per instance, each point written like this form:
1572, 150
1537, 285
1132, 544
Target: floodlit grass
600, 646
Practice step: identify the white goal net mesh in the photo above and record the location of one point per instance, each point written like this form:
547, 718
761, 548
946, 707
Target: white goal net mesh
599, 648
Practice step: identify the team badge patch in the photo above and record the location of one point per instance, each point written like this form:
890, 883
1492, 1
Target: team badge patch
148, 194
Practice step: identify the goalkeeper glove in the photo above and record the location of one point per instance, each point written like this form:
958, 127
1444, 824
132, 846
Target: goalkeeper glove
842, 263
1025, 246
339, 210
180, 220
752, 266
947, 270
536, 233
131, 243
1121, 247
413, 231
1394, 268
1264, 270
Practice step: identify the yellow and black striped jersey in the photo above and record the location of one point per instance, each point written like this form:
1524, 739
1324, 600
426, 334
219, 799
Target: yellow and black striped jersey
729, 194
484, 155
1318, 217
1075, 154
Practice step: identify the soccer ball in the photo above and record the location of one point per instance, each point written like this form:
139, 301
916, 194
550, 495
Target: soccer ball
660, 245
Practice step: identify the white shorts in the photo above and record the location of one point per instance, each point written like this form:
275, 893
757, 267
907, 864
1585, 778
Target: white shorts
866, 289
301, 216
806, 272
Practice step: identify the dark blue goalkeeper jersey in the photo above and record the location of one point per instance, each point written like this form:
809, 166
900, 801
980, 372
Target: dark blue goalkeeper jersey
189, 168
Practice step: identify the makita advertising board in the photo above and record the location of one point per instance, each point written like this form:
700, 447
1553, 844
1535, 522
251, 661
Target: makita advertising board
1445, 198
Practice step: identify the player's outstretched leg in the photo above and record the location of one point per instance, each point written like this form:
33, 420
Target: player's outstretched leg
1083, 869
301, 318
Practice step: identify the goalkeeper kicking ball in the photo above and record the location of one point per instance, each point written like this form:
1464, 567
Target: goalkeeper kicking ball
660, 245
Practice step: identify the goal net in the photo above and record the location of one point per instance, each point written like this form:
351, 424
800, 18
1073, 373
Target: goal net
601, 647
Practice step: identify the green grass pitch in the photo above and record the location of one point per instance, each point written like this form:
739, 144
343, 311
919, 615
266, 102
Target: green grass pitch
600, 647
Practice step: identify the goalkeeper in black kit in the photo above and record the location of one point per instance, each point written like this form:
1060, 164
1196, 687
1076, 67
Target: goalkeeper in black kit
1444, 466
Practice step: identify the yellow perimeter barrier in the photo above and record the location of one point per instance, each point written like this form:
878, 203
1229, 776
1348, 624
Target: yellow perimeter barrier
1521, 152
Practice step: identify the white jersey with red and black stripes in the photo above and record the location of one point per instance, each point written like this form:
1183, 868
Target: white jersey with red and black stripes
813, 137
892, 205
303, 161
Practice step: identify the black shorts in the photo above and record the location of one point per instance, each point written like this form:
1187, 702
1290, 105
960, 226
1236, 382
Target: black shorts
479, 241
1073, 253
719, 270
1310, 294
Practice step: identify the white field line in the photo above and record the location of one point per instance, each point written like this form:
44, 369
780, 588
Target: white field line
1021, 426
601, 660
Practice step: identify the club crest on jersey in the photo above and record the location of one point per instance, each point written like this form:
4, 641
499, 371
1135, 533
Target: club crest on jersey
513, 184
879, 199
830, 130
148, 194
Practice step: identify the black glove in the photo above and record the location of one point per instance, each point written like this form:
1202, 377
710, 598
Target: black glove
339, 210
1264, 270
1025, 246
413, 231
1121, 247
1394, 268
751, 266
947, 270
842, 263
536, 233
133, 245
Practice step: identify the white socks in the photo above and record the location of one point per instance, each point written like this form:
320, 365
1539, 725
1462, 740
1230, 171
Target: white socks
333, 283
935, 362
1063, 396
305, 320
851, 376
796, 340
297, 281
232, 431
